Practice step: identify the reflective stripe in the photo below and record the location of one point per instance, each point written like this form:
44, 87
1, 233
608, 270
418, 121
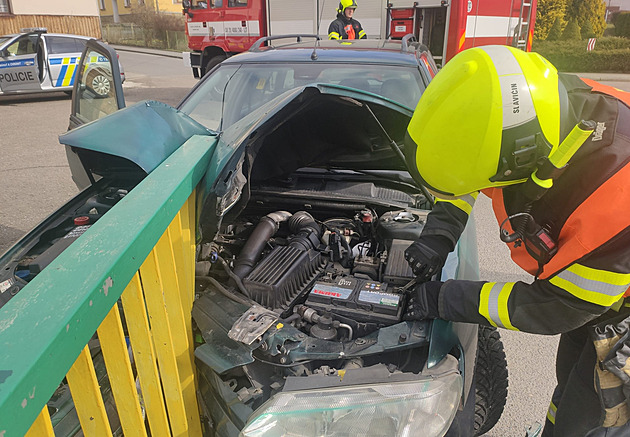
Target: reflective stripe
69, 78
333, 35
551, 413
493, 300
465, 203
600, 287
361, 33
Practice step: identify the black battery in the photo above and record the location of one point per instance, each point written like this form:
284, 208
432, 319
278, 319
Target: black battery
359, 299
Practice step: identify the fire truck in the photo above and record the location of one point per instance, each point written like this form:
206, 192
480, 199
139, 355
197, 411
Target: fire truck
217, 29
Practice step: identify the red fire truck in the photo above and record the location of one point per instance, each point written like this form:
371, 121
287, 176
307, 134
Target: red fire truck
217, 29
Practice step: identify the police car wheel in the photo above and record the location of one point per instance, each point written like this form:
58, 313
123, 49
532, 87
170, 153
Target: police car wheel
99, 83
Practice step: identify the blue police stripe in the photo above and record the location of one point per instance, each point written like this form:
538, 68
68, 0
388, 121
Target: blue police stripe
56, 61
62, 75
21, 63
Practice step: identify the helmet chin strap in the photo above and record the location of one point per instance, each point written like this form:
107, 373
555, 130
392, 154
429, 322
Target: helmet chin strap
538, 242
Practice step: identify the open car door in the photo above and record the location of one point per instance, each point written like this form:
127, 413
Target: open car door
97, 88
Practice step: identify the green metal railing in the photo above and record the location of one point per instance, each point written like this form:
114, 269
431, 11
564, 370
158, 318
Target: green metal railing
141, 252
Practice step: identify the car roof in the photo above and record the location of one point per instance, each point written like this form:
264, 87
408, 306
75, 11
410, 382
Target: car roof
13, 35
342, 51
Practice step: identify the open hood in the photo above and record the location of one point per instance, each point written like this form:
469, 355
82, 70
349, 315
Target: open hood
144, 134
321, 126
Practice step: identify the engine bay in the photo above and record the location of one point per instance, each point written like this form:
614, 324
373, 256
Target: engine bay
333, 277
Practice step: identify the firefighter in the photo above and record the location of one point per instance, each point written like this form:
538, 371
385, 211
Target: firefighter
553, 153
346, 27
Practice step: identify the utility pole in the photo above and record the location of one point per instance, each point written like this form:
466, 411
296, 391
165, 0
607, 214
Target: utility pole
116, 16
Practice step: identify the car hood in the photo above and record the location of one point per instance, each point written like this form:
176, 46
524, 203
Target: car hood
323, 126
318, 125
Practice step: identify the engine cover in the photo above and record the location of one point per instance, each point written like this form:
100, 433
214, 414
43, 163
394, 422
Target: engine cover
283, 276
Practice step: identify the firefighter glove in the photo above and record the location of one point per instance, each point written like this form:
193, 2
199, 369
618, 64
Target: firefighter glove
427, 255
423, 302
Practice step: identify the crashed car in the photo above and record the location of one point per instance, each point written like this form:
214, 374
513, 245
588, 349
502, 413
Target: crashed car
300, 269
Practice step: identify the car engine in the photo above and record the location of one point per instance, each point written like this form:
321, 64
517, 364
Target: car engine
336, 278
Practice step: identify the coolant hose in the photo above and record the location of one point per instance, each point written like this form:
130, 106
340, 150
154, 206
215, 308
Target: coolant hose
220, 288
250, 253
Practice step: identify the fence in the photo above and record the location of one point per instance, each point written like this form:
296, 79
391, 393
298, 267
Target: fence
134, 35
142, 251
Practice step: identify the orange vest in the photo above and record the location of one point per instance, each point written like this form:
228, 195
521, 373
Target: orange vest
604, 214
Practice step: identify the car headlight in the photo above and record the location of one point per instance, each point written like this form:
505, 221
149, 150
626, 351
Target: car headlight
424, 407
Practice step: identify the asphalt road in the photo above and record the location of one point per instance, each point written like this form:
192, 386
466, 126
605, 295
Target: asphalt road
35, 180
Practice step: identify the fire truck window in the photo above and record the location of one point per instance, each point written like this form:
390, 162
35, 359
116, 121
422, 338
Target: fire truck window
237, 3
199, 4
215, 4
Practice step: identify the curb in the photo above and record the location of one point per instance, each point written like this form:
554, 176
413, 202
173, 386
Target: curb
147, 51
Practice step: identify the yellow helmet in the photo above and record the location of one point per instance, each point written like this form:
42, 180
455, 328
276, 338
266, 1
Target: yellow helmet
344, 4
485, 121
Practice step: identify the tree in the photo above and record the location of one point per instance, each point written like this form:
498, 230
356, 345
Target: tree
588, 10
572, 31
547, 13
587, 30
556, 30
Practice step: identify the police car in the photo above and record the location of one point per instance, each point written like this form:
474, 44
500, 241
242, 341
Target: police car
37, 61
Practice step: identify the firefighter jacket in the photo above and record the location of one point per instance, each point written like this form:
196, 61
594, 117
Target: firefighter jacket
344, 28
585, 212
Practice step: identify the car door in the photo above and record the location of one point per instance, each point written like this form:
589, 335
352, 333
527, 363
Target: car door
97, 88
20, 65
64, 53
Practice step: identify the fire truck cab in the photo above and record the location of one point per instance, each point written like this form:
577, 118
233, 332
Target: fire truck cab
217, 29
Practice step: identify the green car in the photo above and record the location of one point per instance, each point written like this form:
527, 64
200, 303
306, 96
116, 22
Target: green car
300, 269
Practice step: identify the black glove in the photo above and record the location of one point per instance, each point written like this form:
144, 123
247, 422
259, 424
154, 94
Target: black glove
427, 255
423, 302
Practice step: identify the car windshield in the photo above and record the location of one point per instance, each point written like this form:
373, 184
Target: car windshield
235, 90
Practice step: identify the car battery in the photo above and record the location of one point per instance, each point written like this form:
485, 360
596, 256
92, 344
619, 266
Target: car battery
359, 299
397, 270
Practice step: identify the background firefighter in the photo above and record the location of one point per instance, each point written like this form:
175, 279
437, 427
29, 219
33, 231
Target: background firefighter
346, 27
553, 153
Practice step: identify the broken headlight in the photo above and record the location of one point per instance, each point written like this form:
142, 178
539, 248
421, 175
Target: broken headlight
424, 407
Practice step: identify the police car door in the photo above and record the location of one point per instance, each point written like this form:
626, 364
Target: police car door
19, 65
97, 90
63, 56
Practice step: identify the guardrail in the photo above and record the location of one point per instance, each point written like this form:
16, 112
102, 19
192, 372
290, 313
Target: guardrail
141, 252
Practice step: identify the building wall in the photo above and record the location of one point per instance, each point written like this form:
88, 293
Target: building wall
78, 17
124, 7
174, 6
624, 5
55, 7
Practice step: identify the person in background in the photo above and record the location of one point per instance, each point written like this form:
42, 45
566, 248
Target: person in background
346, 27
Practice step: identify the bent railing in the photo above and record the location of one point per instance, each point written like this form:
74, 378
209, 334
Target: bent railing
137, 261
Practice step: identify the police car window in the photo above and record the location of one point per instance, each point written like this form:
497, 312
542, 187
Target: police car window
59, 44
25, 45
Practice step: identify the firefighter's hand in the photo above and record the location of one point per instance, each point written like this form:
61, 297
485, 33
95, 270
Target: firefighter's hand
423, 302
427, 255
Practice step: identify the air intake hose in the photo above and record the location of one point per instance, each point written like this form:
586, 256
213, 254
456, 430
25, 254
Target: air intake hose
265, 229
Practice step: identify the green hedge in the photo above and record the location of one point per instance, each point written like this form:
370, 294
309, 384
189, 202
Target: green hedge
611, 54
622, 24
